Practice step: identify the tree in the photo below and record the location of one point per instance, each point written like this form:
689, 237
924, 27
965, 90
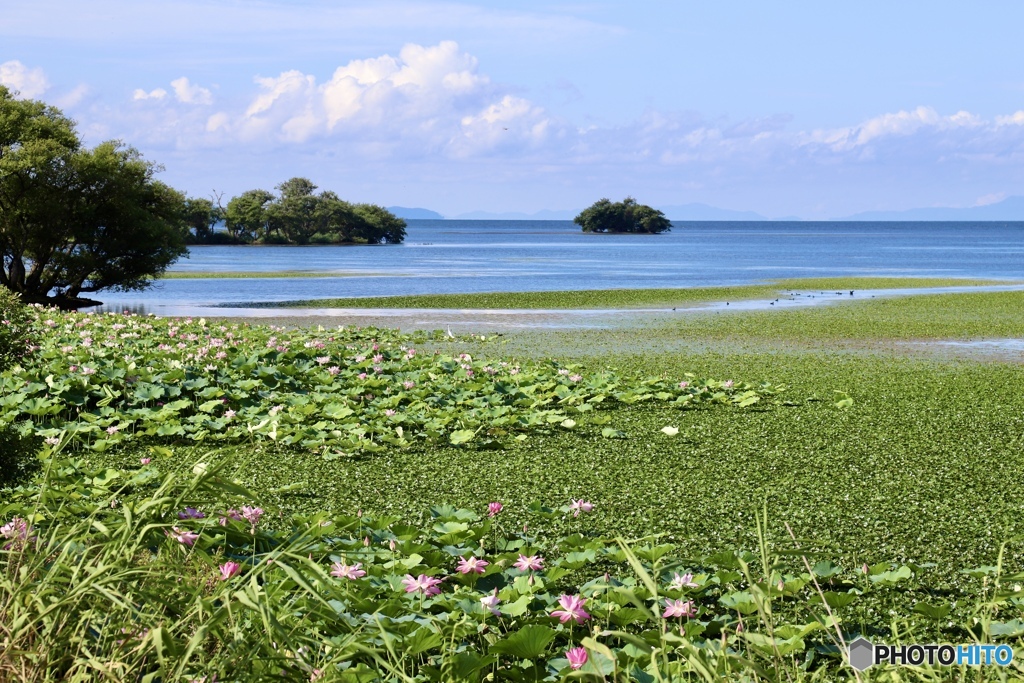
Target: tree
294, 214
298, 216
200, 216
379, 225
625, 216
74, 220
246, 215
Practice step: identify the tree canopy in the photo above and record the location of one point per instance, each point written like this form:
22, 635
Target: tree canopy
297, 215
76, 220
625, 216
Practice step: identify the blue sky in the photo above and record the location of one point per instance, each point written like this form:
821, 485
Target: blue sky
810, 109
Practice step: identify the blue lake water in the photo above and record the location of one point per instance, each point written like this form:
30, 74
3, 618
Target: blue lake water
490, 256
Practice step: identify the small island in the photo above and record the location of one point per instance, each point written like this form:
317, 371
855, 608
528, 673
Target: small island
627, 216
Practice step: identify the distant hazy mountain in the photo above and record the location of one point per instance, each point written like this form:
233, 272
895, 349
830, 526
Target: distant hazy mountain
703, 212
1010, 209
405, 212
546, 215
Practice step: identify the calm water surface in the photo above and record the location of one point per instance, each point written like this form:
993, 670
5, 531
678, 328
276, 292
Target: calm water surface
440, 257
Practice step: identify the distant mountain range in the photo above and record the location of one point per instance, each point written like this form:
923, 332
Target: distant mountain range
406, 212
703, 212
546, 215
1010, 209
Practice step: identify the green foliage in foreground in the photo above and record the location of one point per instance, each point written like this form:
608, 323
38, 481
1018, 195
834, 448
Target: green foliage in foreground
135, 575
112, 379
623, 298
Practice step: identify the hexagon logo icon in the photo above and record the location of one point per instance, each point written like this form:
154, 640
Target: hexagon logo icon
862, 654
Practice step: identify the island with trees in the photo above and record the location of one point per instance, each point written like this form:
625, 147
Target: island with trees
627, 216
74, 220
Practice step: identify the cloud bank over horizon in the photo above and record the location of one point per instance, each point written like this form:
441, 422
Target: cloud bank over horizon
399, 127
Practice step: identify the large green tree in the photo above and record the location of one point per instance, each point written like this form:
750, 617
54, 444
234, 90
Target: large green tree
246, 215
625, 216
76, 220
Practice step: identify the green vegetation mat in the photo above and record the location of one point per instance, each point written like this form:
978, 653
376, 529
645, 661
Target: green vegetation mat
615, 298
899, 477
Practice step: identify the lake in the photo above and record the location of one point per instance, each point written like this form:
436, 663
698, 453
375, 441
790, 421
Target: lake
486, 256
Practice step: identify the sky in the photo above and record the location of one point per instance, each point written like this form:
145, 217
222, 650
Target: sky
807, 109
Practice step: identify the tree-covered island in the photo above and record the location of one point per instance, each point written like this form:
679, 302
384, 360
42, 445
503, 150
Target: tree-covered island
626, 216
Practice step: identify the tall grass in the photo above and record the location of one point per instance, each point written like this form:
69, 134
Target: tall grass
97, 585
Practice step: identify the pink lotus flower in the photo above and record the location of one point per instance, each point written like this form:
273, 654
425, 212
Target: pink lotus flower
727, 384
231, 514
389, 412
683, 385
408, 384
490, 602
472, 564
577, 657
572, 608
532, 563
361, 375
494, 508
681, 582
183, 536
345, 571
113, 429
334, 370
18, 532
145, 461
229, 569
229, 414
679, 608
580, 505
427, 585
252, 515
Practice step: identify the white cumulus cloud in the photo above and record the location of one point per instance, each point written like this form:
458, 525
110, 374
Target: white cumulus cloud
157, 94
427, 99
190, 93
30, 83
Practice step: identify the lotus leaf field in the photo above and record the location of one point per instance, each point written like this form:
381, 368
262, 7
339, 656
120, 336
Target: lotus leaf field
119, 563
111, 379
